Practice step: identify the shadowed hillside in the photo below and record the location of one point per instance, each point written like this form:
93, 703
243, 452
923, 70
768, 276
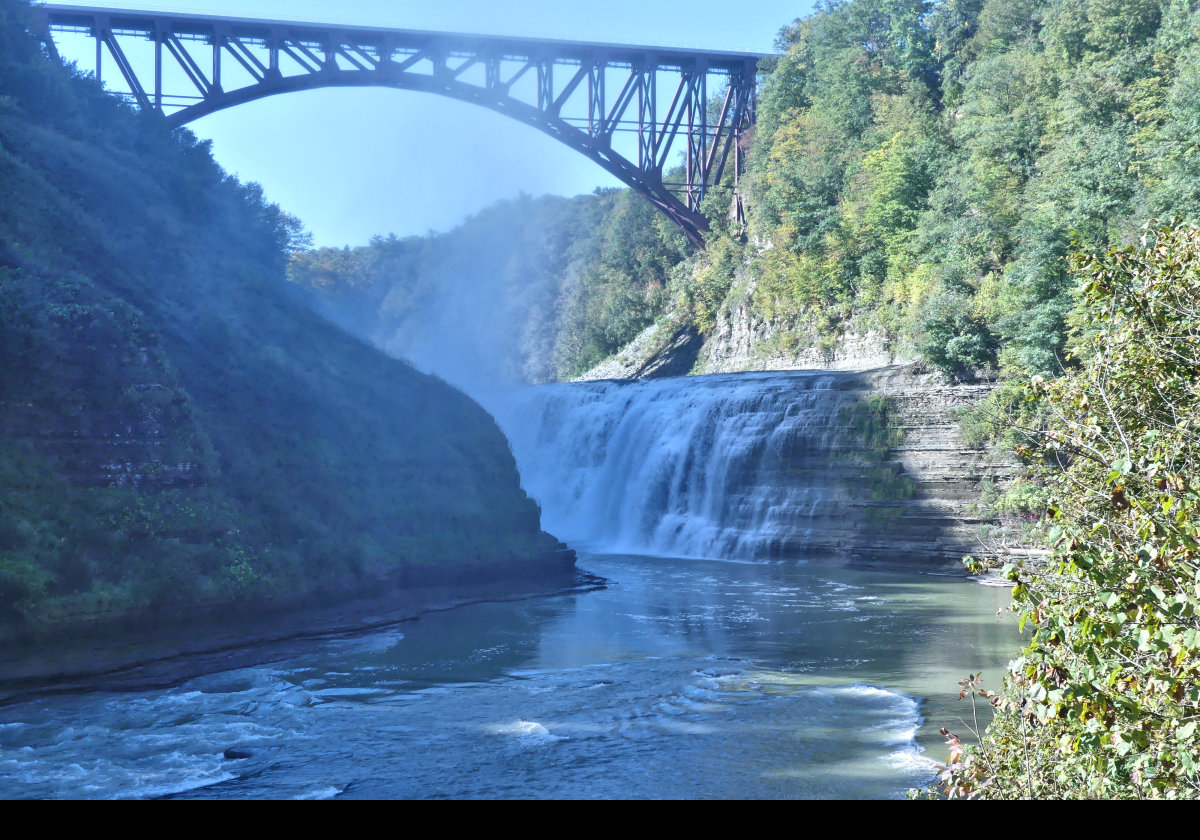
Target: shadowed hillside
175, 429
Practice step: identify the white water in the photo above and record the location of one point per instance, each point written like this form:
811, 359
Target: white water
726, 467
686, 678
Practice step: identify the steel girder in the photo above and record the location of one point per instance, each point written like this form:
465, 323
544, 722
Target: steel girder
580, 93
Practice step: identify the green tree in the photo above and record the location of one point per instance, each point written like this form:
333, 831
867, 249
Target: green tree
1105, 701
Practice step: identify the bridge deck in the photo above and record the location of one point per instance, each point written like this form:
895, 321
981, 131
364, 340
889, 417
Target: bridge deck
143, 21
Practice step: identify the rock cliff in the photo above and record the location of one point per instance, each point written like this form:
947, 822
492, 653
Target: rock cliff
913, 492
941, 519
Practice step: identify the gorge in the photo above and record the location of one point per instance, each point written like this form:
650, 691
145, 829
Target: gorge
189, 447
734, 651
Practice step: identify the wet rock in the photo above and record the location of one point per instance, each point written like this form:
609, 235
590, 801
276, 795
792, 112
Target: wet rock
234, 753
912, 493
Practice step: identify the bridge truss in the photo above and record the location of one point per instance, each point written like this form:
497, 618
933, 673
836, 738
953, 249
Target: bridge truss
680, 103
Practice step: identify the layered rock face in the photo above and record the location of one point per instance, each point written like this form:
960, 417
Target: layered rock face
942, 519
742, 341
861, 466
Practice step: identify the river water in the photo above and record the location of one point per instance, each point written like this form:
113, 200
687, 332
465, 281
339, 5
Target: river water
684, 678
702, 670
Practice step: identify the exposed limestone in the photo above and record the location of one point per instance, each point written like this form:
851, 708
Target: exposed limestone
662, 349
741, 342
941, 520
914, 500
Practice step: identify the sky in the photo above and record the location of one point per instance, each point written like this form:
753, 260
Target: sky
354, 163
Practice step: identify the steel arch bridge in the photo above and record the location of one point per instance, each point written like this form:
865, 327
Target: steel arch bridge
185, 66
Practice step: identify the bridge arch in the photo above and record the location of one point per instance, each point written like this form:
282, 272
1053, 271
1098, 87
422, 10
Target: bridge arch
580, 93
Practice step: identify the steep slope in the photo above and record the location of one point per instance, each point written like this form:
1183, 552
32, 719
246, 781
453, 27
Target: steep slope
175, 430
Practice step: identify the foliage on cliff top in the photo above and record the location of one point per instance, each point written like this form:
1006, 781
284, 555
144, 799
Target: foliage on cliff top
1105, 701
921, 167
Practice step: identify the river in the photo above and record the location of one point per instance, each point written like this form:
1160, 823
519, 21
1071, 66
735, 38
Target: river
703, 670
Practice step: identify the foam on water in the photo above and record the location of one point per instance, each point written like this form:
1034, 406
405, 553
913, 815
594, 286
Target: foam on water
992, 580
328, 792
142, 746
683, 679
529, 731
649, 726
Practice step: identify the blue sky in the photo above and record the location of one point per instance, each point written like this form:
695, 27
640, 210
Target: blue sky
353, 163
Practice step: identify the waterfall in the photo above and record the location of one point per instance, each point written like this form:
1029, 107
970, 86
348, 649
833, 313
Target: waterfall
725, 466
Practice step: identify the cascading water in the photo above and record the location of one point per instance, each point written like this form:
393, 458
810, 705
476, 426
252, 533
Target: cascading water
687, 678
720, 466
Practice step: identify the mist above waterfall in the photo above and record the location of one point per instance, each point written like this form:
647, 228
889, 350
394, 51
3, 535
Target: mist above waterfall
474, 306
529, 290
746, 466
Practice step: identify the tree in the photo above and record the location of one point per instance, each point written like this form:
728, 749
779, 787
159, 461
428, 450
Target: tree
1105, 701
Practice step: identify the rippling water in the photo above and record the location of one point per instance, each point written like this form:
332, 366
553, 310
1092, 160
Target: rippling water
685, 678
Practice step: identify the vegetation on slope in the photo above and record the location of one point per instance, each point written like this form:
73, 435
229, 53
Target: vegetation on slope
926, 170
922, 168
919, 169
1105, 701
175, 427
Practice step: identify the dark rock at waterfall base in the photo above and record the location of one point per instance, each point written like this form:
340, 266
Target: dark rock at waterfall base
675, 358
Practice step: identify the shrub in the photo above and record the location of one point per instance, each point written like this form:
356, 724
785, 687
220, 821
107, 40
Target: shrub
1105, 701
955, 340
